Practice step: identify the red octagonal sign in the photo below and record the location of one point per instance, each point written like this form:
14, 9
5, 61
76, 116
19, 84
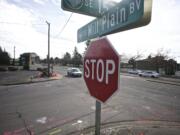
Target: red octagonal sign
101, 69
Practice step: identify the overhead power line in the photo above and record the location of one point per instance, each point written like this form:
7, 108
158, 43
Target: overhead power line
64, 25
14, 23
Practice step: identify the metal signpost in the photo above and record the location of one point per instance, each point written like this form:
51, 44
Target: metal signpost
101, 61
98, 118
125, 15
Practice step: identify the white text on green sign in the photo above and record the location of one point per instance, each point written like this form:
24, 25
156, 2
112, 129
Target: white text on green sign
124, 13
88, 7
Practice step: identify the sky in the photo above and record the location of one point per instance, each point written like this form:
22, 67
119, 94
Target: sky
23, 25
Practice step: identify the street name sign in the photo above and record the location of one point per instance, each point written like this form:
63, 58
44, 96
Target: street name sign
88, 7
127, 14
101, 69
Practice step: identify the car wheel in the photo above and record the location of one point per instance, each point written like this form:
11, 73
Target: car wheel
152, 76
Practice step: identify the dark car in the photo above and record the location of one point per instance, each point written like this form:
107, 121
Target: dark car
3, 68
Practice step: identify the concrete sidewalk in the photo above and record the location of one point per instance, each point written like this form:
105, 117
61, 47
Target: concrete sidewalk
170, 79
24, 77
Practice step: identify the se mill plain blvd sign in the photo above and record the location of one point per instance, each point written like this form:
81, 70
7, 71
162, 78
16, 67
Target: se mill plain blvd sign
101, 69
125, 15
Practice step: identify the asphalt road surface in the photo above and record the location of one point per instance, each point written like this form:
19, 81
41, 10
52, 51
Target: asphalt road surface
65, 106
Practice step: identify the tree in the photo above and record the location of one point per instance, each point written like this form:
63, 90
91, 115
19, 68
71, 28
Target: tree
160, 57
87, 44
133, 59
1, 50
171, 67
77, 58
4, 57
51, 60
57, 60
66, 59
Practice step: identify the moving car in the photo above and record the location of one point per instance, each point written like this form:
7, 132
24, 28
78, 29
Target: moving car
74, 72
152, 74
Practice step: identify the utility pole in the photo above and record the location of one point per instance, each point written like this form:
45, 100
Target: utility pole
14, 55
48, 56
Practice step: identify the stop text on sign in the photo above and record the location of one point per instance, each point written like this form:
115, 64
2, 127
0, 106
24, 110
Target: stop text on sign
99, 69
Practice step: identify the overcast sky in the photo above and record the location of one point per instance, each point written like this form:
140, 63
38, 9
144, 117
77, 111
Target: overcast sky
22, 24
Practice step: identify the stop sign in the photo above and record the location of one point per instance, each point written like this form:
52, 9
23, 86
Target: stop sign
101, 69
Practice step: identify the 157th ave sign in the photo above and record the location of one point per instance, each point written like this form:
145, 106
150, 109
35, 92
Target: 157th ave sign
88, 7
125, 15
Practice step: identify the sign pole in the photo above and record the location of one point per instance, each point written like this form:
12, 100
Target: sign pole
98, 118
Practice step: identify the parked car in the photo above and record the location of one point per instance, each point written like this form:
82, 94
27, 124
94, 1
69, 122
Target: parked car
152, 74
3, 68
134, 71
13, 68
74, 72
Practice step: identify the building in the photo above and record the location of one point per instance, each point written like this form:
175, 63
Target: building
159, 64
29, 60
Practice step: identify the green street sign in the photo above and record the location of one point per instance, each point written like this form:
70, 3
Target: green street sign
87, 7
125, 15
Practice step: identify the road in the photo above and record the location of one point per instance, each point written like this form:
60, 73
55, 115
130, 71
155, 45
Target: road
64, 106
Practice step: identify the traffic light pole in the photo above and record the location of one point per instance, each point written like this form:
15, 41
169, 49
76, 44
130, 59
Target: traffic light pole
98, 118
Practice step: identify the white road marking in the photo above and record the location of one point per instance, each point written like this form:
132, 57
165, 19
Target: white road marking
42, 120
147, 107
78, 122
93, 107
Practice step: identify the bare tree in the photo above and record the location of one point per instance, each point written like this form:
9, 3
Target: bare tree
87, 44
159, 58
133, 59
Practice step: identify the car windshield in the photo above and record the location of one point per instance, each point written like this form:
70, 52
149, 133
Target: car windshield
75, 70
77, 67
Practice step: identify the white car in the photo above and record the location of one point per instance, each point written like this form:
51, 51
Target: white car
74, 72
134, 71
152, 74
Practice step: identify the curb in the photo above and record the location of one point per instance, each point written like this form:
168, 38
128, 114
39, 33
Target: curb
164, 82
170, 80
128, 126
33, 81
158, 81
